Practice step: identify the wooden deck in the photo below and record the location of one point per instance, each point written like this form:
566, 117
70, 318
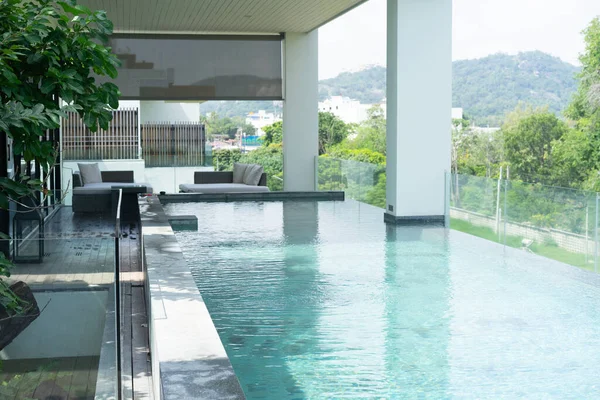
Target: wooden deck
45, 379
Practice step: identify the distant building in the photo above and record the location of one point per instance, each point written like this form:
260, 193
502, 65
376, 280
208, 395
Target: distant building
348, 110
261, 119
457, 113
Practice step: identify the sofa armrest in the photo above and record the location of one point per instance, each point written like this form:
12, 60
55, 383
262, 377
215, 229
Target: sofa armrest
213, 177
77, 181
117, 176
263, 180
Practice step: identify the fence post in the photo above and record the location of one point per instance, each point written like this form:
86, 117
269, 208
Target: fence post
596, 238
498, 205
447, 195
506, 183
587, 225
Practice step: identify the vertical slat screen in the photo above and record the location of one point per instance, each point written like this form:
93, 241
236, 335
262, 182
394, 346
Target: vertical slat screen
119, 142
179, 144
162, 144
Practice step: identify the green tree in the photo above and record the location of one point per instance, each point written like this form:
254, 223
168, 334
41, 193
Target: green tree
528, 145
226, 126
585, 102
49, 51
371, 133
332, 131
579, 151
273, 134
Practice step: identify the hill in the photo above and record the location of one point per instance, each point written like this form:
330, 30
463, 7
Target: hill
366, 86
489, 87
486, 88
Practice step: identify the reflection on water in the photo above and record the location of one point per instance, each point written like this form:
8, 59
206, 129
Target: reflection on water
323, 300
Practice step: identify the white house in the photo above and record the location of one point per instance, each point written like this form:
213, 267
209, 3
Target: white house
261, 119
348, 110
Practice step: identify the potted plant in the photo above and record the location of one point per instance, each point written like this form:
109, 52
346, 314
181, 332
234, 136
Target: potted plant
50, 52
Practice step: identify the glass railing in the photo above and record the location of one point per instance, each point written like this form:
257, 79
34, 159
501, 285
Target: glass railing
554, 222
360, 181
59, 336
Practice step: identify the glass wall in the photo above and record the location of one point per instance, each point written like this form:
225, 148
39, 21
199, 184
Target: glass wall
359, 180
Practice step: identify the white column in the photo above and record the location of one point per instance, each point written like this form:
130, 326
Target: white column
300, 111
419, 104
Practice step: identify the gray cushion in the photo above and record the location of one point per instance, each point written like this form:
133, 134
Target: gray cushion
252, 174
239, 171
90, 173
221, 188
105, 187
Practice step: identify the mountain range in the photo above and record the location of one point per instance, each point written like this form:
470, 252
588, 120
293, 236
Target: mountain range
486, 88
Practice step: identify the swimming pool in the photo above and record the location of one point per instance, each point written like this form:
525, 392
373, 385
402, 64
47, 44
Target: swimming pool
316, 300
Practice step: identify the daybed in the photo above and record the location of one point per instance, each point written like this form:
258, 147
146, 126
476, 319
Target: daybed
227, 181
98, 197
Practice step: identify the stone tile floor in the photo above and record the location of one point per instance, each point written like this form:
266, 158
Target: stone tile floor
78, 252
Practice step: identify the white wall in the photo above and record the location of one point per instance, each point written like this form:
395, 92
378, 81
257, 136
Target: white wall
419, 103
129, 104
71, 325
300, 111
137, 166
168, 179
162, 111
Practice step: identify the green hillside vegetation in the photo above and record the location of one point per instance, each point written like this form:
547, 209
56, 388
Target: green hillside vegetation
490, 87
487, 88
366, 86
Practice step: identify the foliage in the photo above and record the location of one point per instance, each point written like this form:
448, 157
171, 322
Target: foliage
49, 50
371, 133
488, 87
528, 145
366, 86
362, 155
359, 173
332, 131
226, 126
223, 159
492, 86
477, 153
273, 134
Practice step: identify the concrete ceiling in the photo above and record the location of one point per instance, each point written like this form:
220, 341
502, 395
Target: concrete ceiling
220, 16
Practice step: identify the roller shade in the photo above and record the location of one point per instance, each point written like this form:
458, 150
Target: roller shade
176, 67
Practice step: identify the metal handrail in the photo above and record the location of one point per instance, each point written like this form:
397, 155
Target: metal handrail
118, 338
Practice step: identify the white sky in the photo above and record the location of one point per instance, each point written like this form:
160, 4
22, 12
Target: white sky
480, 27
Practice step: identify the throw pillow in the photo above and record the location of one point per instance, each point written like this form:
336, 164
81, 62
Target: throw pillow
90, 173
239, 171
253, 174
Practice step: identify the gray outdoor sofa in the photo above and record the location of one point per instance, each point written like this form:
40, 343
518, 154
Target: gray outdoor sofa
99, 197
222, 182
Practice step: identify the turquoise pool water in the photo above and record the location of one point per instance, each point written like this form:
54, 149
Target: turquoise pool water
324, 301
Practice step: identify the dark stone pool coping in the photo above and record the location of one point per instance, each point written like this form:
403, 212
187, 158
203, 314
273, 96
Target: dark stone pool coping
260, 196
418, 220
188, 358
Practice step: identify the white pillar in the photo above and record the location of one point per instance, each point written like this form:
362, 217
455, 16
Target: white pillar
419, 104
300, 111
